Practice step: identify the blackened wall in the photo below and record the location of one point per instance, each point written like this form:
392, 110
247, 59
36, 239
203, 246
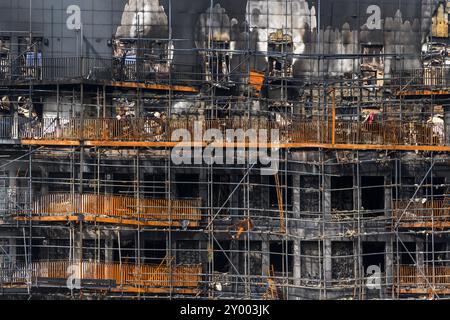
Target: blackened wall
336, 27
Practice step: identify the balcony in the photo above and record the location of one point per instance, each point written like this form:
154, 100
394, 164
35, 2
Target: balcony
427, 215
9, 129
113, 277
431, 80
423, 280
388, 133
107, 70
301, 133
111, 209
127, 131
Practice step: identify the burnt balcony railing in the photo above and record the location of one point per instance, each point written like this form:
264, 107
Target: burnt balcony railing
388, 133
7, 128
115, 209
89, 68
119, 276
358, 133
427, 77
422, 279
133, 69
131, 129
422, 214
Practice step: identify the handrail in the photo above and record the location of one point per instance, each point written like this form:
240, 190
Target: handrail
61, 204
125, 275
422, 276
296, 131
437, 210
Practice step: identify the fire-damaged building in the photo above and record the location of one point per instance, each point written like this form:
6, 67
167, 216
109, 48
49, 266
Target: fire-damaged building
97, 202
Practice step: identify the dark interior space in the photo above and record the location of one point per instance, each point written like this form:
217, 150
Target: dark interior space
90, 182
435, 188
405, 190
309, 194
123, 184
59, 181
153, 186
439, 256
221, 263
342, 193
408, 254
221, 190
278, 252
155, 251
373, 255
372, 194
187, 185
127, 251
92, 250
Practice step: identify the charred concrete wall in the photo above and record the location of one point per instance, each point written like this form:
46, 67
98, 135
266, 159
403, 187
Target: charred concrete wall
335, 28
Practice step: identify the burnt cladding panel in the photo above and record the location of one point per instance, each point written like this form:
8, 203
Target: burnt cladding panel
101, 19
185, 16
334, 13
49, 20
348, 25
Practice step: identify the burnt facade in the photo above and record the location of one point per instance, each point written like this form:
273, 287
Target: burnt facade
95, 201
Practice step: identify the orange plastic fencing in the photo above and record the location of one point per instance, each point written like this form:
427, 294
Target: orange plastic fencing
60, 204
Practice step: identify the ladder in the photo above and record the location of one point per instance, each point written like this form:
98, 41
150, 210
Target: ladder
271, 292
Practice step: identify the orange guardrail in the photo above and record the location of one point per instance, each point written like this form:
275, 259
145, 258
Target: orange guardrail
389, 133
422, 276
126, 277
119, 209
412, 213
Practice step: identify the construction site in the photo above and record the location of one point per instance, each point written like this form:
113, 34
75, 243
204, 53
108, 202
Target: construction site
354, 98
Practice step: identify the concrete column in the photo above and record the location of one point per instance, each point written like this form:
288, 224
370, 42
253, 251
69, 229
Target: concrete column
78, 243
326, 205
447, 124
295, 203
389, 264
388, 196
12, 250
265, 263
420, 248
327, 272
109, 248
297, 262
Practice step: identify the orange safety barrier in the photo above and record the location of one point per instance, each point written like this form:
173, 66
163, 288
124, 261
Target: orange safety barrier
387, 133
380, 133
422, 277
119, 209
418, 214
127, 277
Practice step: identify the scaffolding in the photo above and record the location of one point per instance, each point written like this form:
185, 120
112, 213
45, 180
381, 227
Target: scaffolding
92, 203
